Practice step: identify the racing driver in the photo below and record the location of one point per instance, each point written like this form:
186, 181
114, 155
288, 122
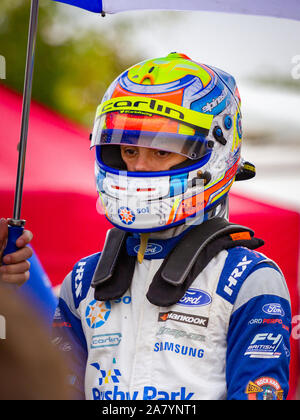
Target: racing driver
179, 305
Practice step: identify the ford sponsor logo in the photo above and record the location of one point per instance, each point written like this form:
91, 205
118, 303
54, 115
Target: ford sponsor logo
195, 297
273, 309
152, 249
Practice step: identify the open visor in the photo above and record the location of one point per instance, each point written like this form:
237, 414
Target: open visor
152, 123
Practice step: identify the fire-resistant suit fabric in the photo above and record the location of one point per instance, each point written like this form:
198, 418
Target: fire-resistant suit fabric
226, 338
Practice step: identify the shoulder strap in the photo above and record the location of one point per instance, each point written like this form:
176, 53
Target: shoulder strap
193, 254
114, 272
114, 241
186, 253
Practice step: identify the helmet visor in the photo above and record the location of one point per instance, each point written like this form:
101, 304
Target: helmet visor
152, 123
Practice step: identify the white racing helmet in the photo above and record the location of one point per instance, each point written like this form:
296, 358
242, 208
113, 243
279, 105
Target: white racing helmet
176, 105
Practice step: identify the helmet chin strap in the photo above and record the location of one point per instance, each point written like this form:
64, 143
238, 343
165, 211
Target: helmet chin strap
143, 246
221, 210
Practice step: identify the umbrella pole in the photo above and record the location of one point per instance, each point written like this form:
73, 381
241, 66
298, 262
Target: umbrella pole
16, 224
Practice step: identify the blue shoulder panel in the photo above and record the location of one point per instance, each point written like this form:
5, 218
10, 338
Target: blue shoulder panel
239, 264
82, 275
258, 349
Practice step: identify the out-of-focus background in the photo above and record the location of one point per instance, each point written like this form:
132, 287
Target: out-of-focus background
79, 54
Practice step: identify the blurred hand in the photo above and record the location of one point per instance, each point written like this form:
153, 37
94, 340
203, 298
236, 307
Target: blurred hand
16, 268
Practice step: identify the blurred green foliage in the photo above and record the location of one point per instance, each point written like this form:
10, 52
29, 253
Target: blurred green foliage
73, 67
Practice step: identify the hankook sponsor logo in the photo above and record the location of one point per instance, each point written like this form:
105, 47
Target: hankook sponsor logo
201, 321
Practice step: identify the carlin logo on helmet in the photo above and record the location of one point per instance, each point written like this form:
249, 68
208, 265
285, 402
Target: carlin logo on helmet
126, 215
151, 106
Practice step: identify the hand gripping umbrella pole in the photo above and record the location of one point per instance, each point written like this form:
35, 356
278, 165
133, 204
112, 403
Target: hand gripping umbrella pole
16, 224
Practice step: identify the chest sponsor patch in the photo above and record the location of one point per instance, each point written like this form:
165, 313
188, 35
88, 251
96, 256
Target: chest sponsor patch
273, 309
195, 297
201, 321
109, 387
167, 346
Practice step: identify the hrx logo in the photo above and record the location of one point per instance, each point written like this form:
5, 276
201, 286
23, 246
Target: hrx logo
237, 272
78, 278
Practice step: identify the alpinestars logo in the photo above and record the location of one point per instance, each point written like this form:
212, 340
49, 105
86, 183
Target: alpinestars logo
215, 102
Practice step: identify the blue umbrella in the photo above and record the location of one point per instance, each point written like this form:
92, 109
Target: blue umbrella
289, 9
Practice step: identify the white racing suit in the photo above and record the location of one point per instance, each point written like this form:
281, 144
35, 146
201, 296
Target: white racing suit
226, 338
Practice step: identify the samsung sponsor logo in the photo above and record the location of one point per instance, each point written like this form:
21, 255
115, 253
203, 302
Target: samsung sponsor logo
195, 297
179, 349
273, 309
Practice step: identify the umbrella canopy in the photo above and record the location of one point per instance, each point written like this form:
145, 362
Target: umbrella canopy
289, 9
